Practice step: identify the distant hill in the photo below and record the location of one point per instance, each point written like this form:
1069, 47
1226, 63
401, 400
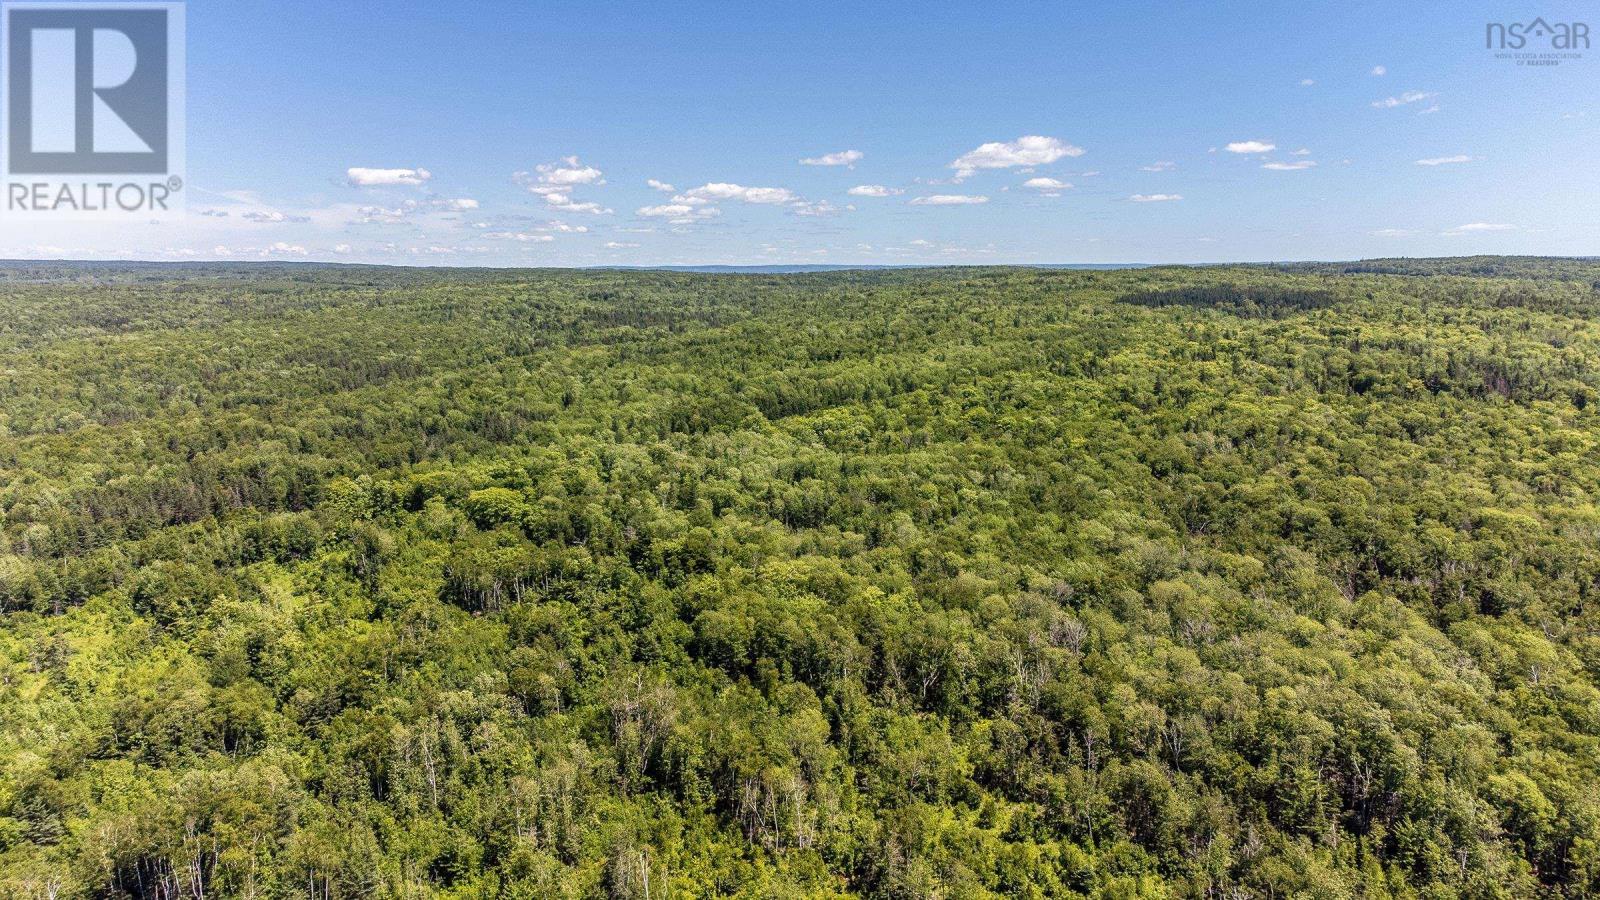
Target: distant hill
798, 269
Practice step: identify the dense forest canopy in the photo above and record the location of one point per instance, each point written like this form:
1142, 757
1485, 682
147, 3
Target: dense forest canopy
336, 582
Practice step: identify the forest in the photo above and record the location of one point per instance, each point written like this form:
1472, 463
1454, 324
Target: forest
325, 582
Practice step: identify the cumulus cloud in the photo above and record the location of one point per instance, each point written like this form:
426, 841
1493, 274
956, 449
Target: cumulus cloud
718, 190
873, 190
1029, 150
847, 158
1155, 198
365, 177
619, 245
1379, 70
565, 203
1047, 187
1444, 160
457, 204
679, 213
1402, 100
669, 209
949, 200
660, 185
1296, 166
1252, 147
1307, 82
568, 172
555, 181
1161, 166
697, 204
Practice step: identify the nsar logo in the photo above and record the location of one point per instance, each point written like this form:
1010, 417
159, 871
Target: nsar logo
1517, 35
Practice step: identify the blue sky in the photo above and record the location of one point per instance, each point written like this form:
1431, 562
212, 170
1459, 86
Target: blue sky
1187, 132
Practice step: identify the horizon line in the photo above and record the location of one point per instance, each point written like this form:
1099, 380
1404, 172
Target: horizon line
849, 266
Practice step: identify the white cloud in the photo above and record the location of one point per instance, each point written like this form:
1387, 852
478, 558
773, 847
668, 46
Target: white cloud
569, 171
1155, 198
660, 185
341, 249
818, 209
1402, 100
724, 191
1307, 82
1478, 227
442, 250
949, 200
619, 245
873, 190
1392, 232
555, 181
1162, 166
842, 158
519, 236
1252, 147
565, 203
1295, 166
1029, 150
370, 214
679, 213
1379, 70
669, 209
1301, 152
401, 211
364, 177
1047, 187
272, 217
1444, 160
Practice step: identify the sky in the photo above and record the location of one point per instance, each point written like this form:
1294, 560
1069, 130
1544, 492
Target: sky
594, 133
